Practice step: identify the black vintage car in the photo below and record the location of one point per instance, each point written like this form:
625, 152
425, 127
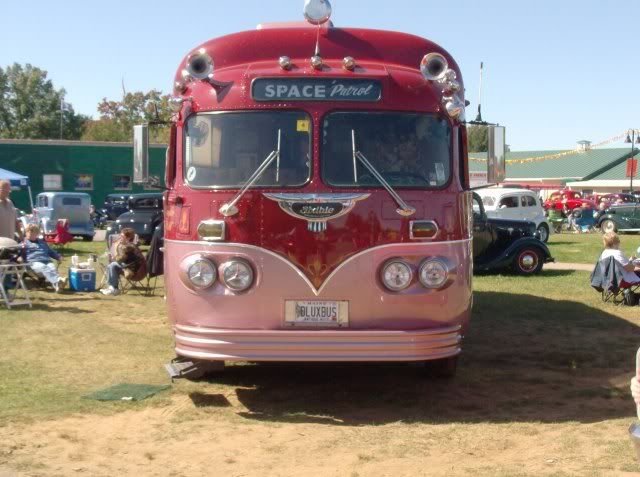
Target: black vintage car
623, 218
506, 244
115, 205
144, 215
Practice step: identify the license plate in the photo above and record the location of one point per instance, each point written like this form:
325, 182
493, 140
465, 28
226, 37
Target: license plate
317, 313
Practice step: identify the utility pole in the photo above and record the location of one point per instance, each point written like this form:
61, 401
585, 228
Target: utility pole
631, 138
62, 113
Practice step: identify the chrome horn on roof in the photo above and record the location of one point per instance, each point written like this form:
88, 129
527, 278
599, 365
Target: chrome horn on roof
199, 64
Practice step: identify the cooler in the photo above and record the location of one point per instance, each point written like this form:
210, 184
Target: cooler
81, 279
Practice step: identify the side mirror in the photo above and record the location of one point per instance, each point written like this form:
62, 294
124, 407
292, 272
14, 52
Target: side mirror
140, 154
496, 154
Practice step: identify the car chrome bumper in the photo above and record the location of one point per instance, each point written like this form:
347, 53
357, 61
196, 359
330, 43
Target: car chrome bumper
317, 345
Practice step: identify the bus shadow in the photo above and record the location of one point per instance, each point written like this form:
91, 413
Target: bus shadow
525, 358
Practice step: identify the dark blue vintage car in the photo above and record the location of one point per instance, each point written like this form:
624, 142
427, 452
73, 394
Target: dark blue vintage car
144, 215
115, 205
620, 218
500, 244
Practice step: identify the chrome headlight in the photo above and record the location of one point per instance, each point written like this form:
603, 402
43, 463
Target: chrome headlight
201, 273
237, 275
433, 273
396, 275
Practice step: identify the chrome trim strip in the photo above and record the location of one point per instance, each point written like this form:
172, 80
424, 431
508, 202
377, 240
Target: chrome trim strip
439, 353
298, 271
342, 334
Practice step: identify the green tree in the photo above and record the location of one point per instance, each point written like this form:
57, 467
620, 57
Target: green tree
477, 139
117, 118
30, 106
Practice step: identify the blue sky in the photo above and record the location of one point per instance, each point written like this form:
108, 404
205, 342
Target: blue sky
555, 71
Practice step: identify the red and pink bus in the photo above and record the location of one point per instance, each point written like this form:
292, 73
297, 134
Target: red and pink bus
318, 204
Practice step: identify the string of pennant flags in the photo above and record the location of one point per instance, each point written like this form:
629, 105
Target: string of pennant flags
558, 155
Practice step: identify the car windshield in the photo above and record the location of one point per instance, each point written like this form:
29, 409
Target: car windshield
224, 150
488, 201
146, 203
407, 149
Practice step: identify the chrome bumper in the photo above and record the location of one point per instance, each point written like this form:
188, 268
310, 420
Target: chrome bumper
316, 345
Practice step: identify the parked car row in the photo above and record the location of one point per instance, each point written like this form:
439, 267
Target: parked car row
142, 212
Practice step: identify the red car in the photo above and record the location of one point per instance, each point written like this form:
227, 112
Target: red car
612, 199
570, 199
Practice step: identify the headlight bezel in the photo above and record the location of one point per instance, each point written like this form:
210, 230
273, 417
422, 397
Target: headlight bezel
445, 267
225, 266
199, 260
390, 286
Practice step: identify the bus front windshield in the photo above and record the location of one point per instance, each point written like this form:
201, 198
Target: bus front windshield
410, 150
225, 149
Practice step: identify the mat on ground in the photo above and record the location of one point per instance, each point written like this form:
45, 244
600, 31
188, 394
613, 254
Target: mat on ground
126, 392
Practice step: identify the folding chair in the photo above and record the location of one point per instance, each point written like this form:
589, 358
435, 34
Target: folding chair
105, 259
607, 278
556, 219
583, 221
139, 280
61, 235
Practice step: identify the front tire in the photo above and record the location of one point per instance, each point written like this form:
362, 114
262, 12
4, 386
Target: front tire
543, 233
87, 238
608, 226
528, 261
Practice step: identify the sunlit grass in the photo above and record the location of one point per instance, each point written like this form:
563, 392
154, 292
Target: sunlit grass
586, 248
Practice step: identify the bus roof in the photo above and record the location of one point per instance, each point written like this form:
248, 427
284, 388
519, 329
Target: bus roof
365, 45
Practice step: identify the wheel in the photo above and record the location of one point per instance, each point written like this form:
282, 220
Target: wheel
442, 368
87, 238
528, 261
543, 232
608, 226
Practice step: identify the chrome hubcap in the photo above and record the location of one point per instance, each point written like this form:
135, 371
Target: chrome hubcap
528, 261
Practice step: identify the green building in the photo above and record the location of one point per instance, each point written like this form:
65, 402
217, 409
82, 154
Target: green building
97, 168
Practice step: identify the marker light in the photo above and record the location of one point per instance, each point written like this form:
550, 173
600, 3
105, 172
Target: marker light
201, 273
316, 62
237, 275
396, 275
433, 273
349, 63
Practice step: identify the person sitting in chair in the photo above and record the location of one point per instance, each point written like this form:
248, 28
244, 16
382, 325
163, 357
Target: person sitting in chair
127, 259
611, 243
39, 257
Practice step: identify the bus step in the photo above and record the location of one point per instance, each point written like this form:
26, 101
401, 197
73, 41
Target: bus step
182, 368
191, 369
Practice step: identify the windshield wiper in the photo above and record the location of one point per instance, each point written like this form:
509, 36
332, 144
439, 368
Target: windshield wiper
230, 208
405, 210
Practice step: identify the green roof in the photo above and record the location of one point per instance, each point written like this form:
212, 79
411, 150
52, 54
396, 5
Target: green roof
574, 165
618, 172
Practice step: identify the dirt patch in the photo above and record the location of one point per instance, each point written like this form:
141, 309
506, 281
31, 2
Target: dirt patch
207, 433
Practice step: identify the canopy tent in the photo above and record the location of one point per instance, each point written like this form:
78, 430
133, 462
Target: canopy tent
17, 181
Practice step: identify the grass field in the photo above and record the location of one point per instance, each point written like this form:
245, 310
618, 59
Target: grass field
586, 248
542, 389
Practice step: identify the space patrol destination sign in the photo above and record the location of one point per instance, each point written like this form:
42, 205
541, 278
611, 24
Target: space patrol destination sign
315, 89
